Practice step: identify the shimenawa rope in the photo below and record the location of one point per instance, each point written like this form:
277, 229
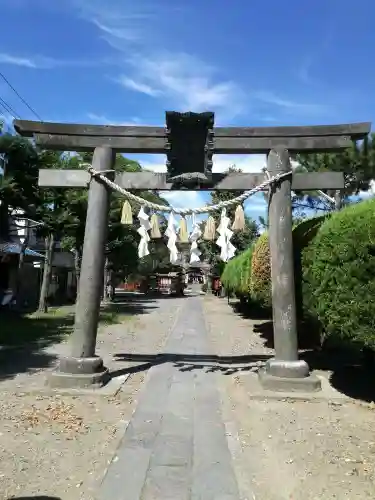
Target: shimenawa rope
184, 211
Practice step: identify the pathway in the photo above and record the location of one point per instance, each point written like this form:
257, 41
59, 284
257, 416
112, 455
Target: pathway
175, 446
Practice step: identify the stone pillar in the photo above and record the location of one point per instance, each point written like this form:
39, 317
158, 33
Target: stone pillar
338, 200
83, 368
285, 372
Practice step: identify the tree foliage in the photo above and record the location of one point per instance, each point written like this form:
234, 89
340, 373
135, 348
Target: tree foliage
62, 212
356, 162
21, 165
339, 275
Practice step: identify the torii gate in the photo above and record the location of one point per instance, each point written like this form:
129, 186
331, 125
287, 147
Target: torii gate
189, 141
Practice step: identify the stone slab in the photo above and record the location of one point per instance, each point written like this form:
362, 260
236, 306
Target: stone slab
310, 383
62, 380
108, 390
167, 482
175, 446
257, 392
127, 473
213, 473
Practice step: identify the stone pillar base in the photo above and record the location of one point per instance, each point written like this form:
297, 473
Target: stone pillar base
288, 376
79, 373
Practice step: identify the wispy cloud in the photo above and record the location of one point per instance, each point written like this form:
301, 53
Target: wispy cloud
289, 105
18, 61
181, 80
185, 81
221, 163
304, 71
99, 119
42, 62
6, 121
138, 86
136, 32
187, 199
121, 22
254, 206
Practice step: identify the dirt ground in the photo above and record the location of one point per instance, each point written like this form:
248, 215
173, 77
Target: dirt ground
282, 449
61, 445
300, 450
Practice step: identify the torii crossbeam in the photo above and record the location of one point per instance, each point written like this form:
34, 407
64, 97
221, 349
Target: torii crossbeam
189, 142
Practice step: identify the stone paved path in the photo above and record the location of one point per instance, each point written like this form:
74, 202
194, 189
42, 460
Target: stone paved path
175, 445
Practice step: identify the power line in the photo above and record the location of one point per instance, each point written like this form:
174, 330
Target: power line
20, 97
8, 108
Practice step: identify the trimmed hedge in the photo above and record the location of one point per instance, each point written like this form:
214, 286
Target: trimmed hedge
339, 275
261, 288
260, 284
236, 274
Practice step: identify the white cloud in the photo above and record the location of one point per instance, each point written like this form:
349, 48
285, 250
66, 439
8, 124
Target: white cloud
179, 199
7, 121
254, 206
289, 105
182, 80
121, 33
221, 163
18, 61
43, 62
137, 86
246, 163
121, 22
104, 120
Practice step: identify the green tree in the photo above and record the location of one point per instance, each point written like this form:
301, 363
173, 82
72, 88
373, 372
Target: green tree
122, 241
53, 211
356, 162
20, 165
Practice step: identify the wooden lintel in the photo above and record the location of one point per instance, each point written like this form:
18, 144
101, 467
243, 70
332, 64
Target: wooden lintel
222, 145
157, 181
29, 128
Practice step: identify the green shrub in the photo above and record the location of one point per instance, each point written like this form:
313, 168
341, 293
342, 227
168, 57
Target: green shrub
236, 274
260, 283
339, 275
261, 287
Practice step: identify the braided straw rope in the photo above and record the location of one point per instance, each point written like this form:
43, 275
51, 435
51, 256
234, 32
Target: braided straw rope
184, 211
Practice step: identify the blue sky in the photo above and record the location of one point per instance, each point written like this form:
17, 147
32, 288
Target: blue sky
278, 62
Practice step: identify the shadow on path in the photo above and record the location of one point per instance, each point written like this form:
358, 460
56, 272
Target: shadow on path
351, 372
40, 497
24, 338
227, 365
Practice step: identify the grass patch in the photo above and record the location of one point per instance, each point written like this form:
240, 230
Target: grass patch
47, 328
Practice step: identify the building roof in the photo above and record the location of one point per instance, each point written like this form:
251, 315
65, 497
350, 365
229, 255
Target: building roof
199, 266
16, 248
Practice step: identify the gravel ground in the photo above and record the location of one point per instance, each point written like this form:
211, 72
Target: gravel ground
60, 445
289, 449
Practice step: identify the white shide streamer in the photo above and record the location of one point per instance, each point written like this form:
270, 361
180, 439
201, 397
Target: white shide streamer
195, 253
143, 230
227, 248
171, 233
